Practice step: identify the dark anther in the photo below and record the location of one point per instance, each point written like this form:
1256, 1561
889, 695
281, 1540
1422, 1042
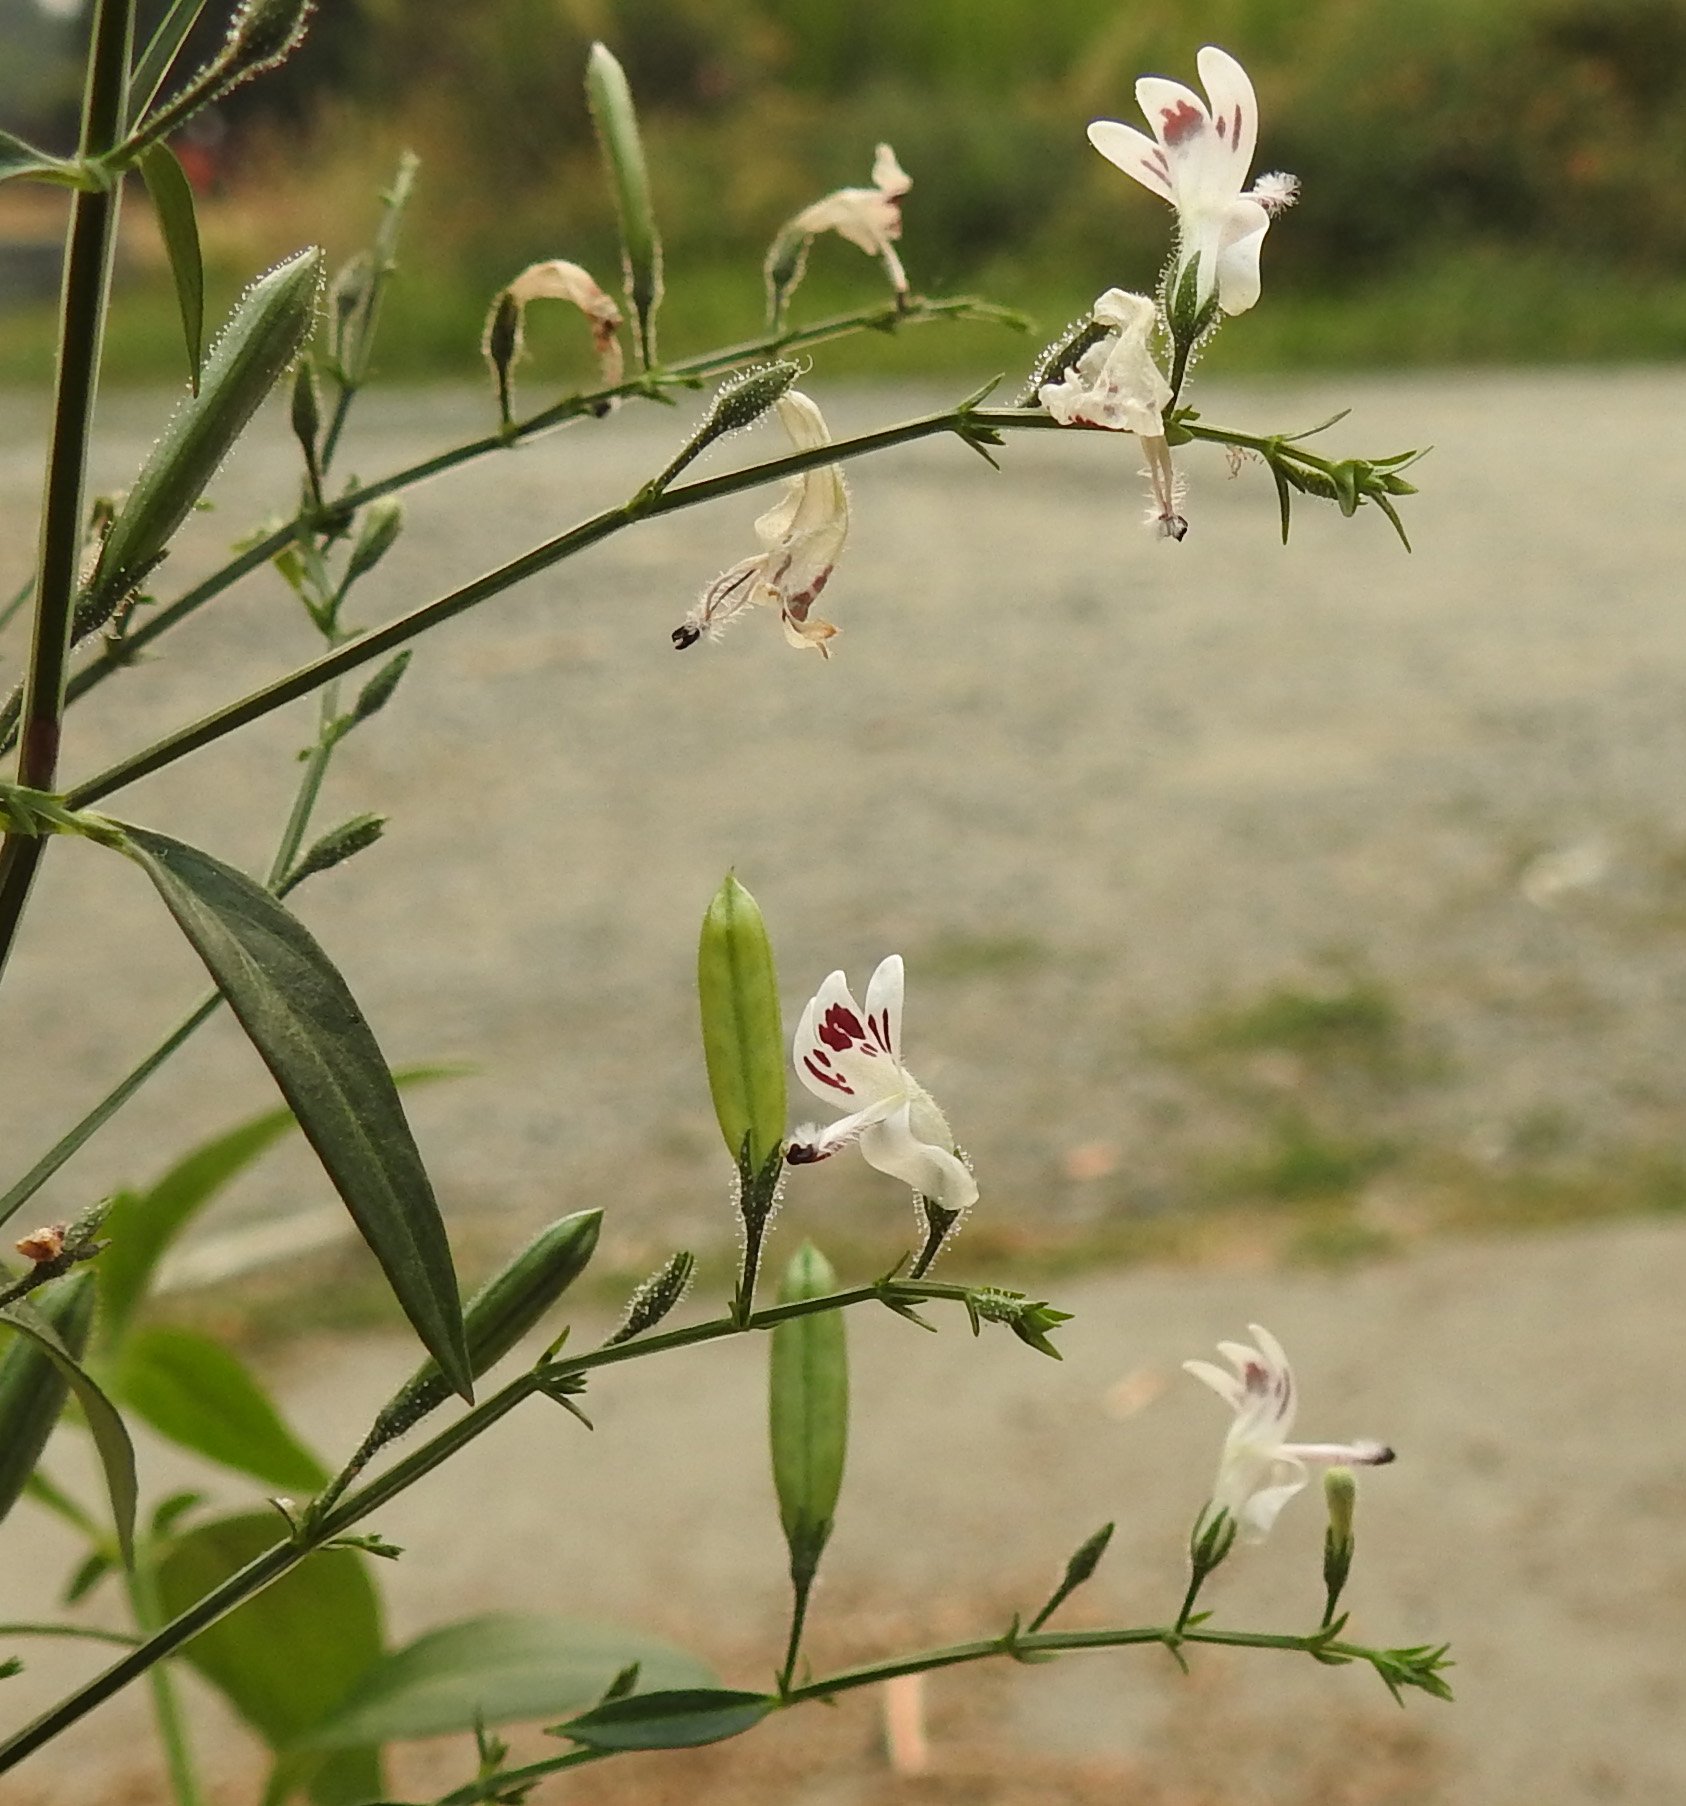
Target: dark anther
686, 636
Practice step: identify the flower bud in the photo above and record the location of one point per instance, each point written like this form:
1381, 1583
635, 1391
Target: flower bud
1340, 1494
654, 1297
383, 521
264, 33
616, 119
306, 410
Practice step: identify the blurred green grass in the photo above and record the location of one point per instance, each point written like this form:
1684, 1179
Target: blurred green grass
1484, 180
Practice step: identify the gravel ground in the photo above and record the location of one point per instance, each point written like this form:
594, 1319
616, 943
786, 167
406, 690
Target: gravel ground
1103, 794
1092, 787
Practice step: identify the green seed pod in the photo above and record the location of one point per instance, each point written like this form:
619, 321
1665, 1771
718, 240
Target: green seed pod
616, 120
509, 1304
654, 1297
743, 1033
378, 691
808, 1411
383, 521
32, 1389
262, 337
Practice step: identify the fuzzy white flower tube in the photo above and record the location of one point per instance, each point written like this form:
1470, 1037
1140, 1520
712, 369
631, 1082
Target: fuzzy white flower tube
801, 537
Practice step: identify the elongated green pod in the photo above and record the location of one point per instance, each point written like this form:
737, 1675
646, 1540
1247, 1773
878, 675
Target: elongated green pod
743, 1032
513, 1301
260, 339
32, 1388
808, 1412
616, 119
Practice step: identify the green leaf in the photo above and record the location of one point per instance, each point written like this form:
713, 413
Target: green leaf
152, 68
505, 1668
20, 159
743, 1033
678, 1720
287, 1659
172, 197
196, 1393
111, 1440
262, 336
616, 120
142, 1225
305, 1023
808, 1411
32, 1387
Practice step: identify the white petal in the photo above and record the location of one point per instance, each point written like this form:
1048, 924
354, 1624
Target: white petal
1226, 1385
884, 1005
801, 418
1240, 239
1235, 108
1254, 1519
1339, 1454
834, 1055
888, 176
893, 1148
1169, 108
1133, 152
809, 1142
864, 216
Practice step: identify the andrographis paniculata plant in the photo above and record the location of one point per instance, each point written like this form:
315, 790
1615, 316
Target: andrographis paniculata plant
73, 1306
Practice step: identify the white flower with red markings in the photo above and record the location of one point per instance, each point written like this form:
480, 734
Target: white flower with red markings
868, 217
1260, 1470
851, 1058
1198, 159
802, 537
1116, 384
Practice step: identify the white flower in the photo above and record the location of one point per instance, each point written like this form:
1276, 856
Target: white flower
1260, 1470
1198, 159
802, 538
847, 1055
559, 280
1116, 384
868, 217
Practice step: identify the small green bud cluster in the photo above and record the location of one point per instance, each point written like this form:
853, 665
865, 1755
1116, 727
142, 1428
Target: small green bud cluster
655, 1297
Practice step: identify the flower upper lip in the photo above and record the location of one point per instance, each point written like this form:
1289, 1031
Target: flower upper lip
1198, 159
1260, 1470
848, 1055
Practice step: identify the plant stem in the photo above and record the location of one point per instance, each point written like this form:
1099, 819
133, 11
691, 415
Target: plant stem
688, 373
87, 285
268, 1567
166, 1708
802, 1584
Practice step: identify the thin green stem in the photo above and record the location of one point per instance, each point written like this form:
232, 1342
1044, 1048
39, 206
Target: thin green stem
166, 1708
268, 1567
802, 1584
86, 290
86, 1632
688, 373
1196, 1581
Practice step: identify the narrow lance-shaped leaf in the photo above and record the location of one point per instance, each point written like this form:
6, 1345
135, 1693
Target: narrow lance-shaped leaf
298, 1013
808, 1412
261, 338
678, 1720
199, 1395
504, 1668
743, 1034
616, 119
20, 159
172, 197
111, 1439
32, 1388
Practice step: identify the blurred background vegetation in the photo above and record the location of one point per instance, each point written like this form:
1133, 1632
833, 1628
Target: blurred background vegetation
1483, 179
